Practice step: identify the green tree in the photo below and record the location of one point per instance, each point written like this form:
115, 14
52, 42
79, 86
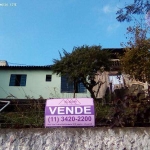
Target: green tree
82, 64
136, 59
128, 12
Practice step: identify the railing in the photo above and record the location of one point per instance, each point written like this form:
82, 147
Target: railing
30, 113
6, 103
23, 113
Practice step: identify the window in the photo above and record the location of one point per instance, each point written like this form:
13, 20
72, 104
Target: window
81, 88
69, 86
66, 86
18, 80
48, 78
116, 82
114, 79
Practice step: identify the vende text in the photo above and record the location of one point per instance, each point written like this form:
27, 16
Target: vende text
70, 110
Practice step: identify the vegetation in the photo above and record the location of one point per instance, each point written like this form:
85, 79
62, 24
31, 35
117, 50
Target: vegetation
131, 110
82, 64
125, 110
129, 12
136, 59
23, 114
134, 110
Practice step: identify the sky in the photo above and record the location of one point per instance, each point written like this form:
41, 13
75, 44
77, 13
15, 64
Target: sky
32, 32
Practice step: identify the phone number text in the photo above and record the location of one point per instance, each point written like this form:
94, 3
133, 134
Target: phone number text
55, 119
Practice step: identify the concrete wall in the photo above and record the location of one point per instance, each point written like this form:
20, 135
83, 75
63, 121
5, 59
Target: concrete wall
36, 85
75, 139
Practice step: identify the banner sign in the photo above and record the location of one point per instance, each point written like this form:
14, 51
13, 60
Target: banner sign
69, 112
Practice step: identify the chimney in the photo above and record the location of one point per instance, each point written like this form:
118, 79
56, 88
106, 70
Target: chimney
3, 63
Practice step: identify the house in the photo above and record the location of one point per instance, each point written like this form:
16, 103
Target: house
110, 79
34, 82
113, 79
39, 81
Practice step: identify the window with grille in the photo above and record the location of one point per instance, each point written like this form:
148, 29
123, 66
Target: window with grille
18, 80
48, 78
69, 86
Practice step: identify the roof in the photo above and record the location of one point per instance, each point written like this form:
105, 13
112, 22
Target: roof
48, 67
115, 52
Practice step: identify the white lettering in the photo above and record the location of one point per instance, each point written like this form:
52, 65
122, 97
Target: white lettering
69, 110
52, 111
87, 110
78, 110
61, 110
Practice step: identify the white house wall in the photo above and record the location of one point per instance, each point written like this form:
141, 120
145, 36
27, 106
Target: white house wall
36, 85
